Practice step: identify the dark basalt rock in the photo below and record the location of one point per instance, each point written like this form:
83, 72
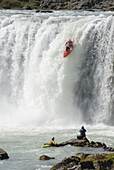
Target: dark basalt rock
27, 7
85, 143
67, 163
44, 11
82, 143
58, 4
45, 157
87, 165
77, 4
86, 161
3, 154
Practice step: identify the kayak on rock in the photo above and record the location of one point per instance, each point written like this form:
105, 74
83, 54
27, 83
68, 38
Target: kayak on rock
69, 47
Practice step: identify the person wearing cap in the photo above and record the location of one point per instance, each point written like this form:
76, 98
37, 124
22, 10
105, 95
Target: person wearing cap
52, 142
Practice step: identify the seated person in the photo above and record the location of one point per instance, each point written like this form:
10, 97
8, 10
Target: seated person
70, 43
82, 133
52, 142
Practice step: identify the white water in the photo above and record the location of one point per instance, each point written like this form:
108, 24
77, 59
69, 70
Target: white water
38, 85
43, 94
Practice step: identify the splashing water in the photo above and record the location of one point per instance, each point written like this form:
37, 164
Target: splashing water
39, 86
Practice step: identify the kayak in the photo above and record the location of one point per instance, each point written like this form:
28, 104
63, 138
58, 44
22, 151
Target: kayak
46, 146
68, 49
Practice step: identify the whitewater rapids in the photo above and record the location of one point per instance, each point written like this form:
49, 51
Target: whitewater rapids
40, 87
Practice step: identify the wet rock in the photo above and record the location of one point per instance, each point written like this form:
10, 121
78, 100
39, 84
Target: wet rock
111, 9
104, 164
82, 156
110, 149
87, 165
82, 143
59, 4
87, 161
45, 157
67, 163
27, 7
44, 11
3, 154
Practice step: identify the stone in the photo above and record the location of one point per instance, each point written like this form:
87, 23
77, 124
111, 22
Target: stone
86, 161
67, 163
27, 7
3, 154
87, 165
45, 157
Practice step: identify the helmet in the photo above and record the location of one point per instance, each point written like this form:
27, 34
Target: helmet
52, 138
82, 127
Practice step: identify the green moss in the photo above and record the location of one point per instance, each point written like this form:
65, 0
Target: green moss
110, 156
19, 4
112, 9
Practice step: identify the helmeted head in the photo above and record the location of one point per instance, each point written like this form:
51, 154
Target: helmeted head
82, 127
52, 138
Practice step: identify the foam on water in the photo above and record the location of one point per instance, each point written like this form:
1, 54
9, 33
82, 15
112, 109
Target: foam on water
40, 87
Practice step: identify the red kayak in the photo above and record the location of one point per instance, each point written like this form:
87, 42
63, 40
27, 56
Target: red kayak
69, 47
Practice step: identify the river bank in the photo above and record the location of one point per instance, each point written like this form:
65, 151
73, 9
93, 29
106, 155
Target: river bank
83, 161
58, 4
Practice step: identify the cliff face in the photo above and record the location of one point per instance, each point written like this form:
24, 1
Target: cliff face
19, 4
58, 4
77, 4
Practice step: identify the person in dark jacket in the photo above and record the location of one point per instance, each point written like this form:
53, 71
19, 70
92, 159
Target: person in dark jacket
82, 133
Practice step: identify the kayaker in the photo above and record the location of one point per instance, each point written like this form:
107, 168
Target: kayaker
82, 133
69, 43
52, 142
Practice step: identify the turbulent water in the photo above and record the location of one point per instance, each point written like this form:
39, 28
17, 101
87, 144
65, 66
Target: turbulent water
39, 89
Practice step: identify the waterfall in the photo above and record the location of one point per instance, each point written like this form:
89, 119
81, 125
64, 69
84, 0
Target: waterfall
39, 86
95, 87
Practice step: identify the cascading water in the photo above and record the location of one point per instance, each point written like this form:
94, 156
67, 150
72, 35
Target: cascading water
39, 86
95, 96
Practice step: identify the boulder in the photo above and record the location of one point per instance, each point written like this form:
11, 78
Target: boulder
45, 157
3, 154
111, 9
67, 163
87, 165
27, 7
87, 161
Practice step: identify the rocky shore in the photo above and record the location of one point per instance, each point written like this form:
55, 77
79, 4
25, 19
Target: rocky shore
42, 5
85, 143
81, 161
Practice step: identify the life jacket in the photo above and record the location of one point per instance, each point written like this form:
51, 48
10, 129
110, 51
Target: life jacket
69, 43
52, 142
